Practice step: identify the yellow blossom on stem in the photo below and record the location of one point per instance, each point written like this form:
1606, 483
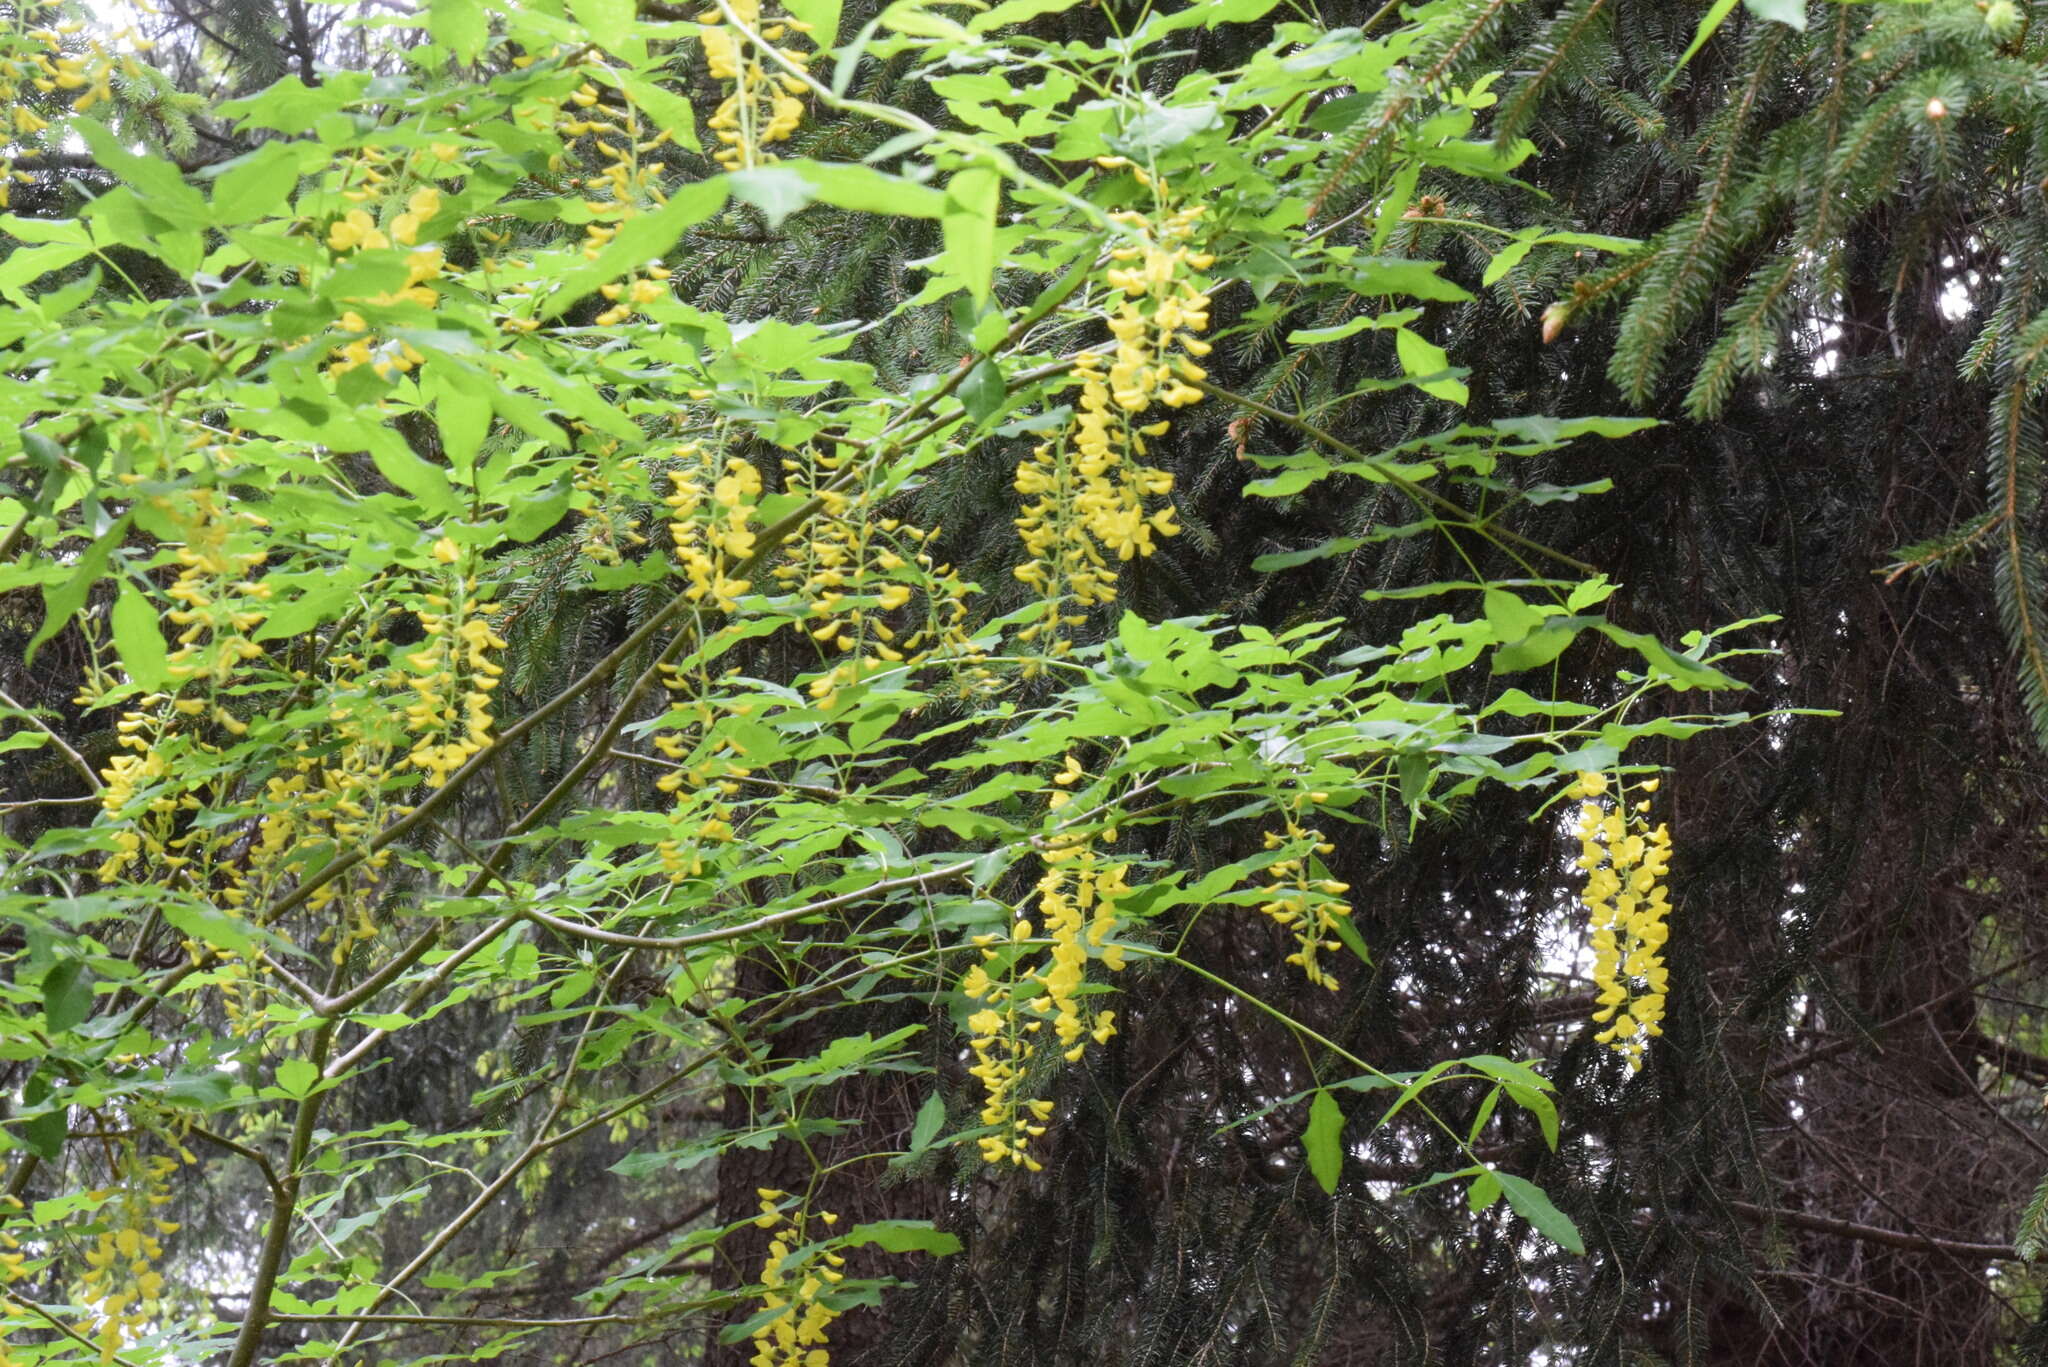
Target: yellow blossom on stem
763, 107
1307, 906
1077, 900
1626, 862
711, 521
794, 1285
451, 676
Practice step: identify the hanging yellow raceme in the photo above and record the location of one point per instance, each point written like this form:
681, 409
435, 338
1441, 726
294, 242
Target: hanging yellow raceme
1625, 861
123, 1283
1306, 906
452, 675
1088, 491
1077, 909
218, 605
763, 108
858, 575
710, 521
795, 1287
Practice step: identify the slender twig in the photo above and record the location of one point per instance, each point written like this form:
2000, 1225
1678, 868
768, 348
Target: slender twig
254, 1156
283, 1210
1871, 1234
1416, 492
71, 756
459, 1321
768, 922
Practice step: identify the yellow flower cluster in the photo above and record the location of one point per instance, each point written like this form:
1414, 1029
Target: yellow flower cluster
1088, 499
358, 231
218, 605
90, 72
330, 791
121, 1285
452, 676
56, 60
127, 777
1625, 862
1088, 490
615, 192
1161, 311
620, 140
762, 108
631, 295
796, 1287
1077, 898
1306, 906
857, 575
712, 527
702, 815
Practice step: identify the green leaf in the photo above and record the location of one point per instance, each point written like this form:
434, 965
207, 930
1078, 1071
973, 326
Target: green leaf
296, 1077
464, 416
1684, 671
850, 185
259, 184
611, 22
460, 26
1348, 932
1510, 617
969, 229
1791, 13
396, 461
208, 926
1538, 648
1506, 259
1549, 431
902, 1236
1429, 366
1287, 560
163, 191
1484, 1191
1206, 13
1161, 128
666, 108
44, 1134
1324, 1140
61, 602
139, 638
26, 264
1533, 1204
982, 393
650, 236
931, 1117
1017, 12
198, 1091
1375, 275
67, 995
821, 15
1352, 326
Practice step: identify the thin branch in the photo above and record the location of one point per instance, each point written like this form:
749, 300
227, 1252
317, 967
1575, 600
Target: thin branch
771, 920
76, 760
458, 1321
1871, 1234
1416, 492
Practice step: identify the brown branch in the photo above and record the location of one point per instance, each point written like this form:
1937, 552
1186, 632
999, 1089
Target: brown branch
1825, 1051
1871, 1234
2010, 1058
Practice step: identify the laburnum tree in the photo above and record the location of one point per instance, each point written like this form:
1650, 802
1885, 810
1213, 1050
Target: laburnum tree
1020, 684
